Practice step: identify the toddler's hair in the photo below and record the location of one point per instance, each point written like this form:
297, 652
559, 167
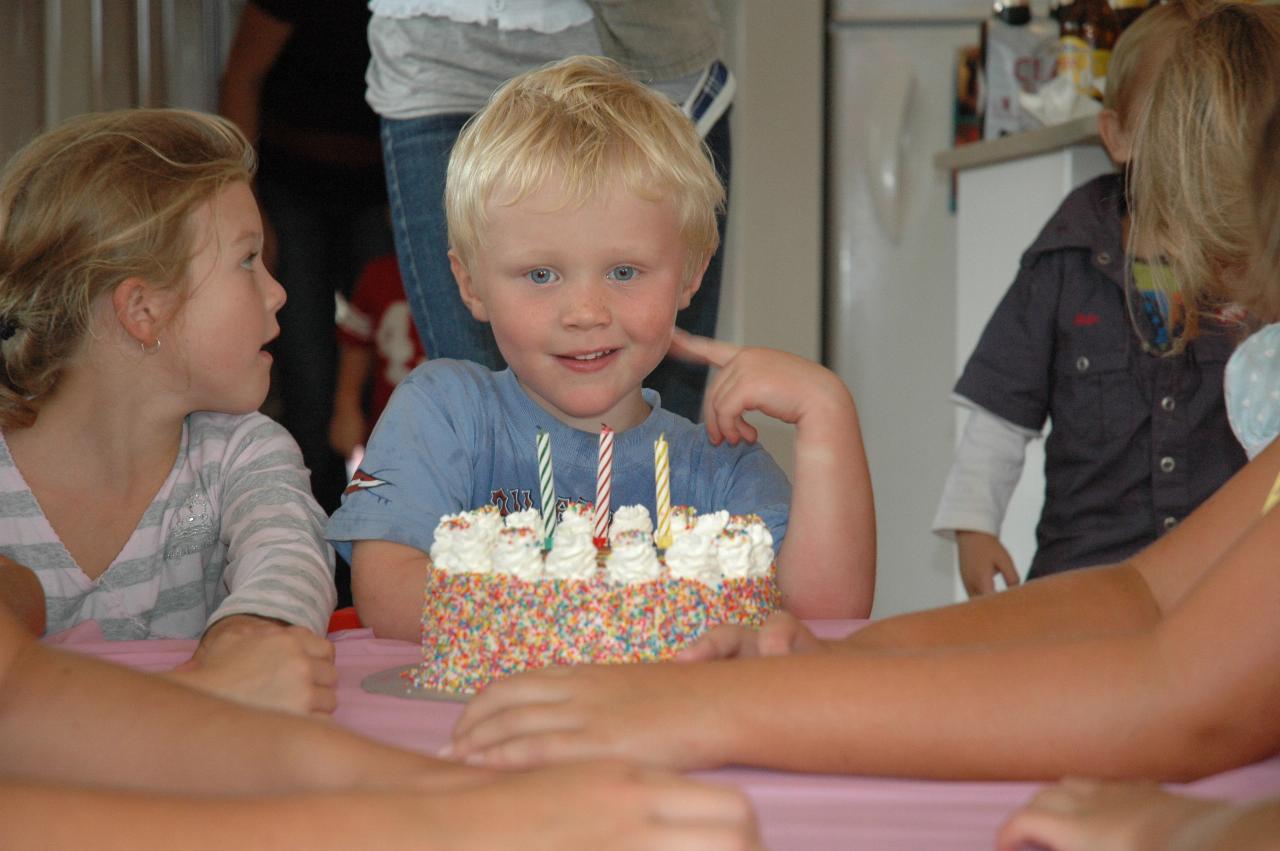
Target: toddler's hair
1261, 294
100, 199
1190, 177
1140, 51
584, 122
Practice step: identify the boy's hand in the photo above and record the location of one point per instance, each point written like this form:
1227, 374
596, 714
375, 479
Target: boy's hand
782, 635
265, 664
749, 378
982, 556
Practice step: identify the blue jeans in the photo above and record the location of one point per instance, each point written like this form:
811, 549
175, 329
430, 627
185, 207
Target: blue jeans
322, 247
416, 153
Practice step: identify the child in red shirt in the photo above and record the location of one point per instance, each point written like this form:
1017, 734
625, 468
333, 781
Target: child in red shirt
378, 346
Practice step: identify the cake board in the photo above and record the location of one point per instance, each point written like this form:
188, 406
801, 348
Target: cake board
396, 683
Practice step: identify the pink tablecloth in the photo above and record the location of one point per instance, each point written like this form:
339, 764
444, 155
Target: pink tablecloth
798, 812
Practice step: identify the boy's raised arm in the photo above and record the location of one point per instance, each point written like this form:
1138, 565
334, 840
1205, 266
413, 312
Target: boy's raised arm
826, 566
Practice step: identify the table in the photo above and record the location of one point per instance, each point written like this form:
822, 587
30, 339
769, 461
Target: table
797, 812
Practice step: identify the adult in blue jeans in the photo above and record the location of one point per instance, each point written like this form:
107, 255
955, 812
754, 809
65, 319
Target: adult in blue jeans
430, 72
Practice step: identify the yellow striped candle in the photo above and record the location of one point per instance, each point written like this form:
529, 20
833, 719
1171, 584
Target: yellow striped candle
662, 483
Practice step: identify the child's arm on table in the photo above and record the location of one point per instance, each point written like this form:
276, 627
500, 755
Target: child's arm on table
264, 663
1129, 596
67, 718
826, 566
22, 592
1170, 691
577, 808
69, 723
347, 426
386, 583
265, 642
1095, 601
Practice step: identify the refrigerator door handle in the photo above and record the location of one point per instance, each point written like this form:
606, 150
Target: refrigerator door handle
888, 139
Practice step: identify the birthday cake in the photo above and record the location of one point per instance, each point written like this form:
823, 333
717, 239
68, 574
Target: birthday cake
499, 601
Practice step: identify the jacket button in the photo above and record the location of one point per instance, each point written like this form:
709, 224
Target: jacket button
1103, 258
1082, 364
1170, 522
1168, 403
1167, 464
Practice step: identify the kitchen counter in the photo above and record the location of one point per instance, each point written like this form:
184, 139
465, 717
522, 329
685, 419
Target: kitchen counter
1078, 131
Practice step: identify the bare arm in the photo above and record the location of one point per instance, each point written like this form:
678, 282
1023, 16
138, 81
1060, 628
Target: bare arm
578, 808
387, 582
1173, 692
21, 591
826, 565
65, 718
1078, 603
258, 41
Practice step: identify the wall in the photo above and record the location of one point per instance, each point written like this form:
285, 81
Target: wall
773, 270
59, 58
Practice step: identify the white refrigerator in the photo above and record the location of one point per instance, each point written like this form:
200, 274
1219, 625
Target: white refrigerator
890, 291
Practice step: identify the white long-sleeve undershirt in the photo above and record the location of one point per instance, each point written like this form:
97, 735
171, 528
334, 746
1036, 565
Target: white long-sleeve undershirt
988, 463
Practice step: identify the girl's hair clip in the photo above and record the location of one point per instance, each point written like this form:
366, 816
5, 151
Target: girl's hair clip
7, 328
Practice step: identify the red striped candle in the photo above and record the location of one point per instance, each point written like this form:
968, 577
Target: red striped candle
604, 486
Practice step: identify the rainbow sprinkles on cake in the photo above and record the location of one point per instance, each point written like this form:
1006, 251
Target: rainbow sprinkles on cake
502, 596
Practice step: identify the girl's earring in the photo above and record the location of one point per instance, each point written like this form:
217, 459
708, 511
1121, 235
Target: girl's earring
150, 350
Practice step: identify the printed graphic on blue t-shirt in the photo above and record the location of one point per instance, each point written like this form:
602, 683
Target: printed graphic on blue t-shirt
456, 436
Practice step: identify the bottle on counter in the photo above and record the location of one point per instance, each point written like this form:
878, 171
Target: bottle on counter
1016, 12
1087, 30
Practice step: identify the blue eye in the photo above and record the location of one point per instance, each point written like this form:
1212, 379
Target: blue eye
624, 273
247, 262
542, 275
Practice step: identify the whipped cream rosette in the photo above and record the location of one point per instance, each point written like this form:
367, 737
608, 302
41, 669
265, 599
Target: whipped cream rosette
691, 556
527, 519
573, 553
630, 518
462, 544
633, 558
518, 552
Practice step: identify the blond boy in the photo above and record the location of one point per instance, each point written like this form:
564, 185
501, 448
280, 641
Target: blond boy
581, 210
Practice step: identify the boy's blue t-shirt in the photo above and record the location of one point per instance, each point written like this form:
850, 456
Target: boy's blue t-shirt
456, 436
